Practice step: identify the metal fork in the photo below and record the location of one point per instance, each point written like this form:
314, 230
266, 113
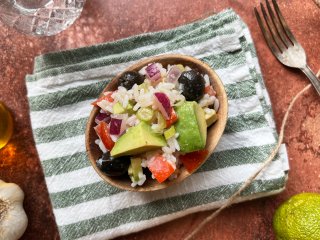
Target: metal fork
282, 43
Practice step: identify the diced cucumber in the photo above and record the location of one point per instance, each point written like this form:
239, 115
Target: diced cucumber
170, 132
181, 67
144, 86
160, 125
161, 121
211, 117
129, 107
134, 169
145, 114
118, 109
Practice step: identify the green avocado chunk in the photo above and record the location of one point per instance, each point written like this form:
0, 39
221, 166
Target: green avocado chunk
137, 139
191, 126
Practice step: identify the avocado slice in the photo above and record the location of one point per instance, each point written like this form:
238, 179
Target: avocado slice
191, 126
137, 139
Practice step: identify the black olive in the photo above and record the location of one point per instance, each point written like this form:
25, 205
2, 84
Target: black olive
193, 85
128, 79
113, 166
147, 172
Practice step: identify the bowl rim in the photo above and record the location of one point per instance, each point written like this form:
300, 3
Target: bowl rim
139, 64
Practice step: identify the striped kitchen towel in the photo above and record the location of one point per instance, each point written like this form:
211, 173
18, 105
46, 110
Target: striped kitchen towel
65, 83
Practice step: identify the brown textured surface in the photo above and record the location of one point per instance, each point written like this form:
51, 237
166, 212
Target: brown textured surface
106, 20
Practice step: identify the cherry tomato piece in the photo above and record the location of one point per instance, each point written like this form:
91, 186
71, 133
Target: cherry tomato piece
160, 168
102, 131
191, 161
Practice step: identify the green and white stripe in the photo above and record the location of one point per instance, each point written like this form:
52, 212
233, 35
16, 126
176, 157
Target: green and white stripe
83, 211
65, 83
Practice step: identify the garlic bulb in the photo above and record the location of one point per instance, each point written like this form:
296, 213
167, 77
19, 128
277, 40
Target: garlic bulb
13, 219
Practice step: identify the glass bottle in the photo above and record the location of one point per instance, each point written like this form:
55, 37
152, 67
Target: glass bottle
6, 125
40, 17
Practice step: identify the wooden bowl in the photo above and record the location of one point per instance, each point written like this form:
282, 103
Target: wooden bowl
214, 132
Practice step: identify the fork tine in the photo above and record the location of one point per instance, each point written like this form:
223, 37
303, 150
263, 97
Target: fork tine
278, 27
273, 34
283, 23
266, 35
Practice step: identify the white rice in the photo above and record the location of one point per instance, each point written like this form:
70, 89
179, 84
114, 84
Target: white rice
106, 106
144, 163
142, 179
163, 71
207, 80
120, 116
208, 111
157, 128
187, 68
170, 158
169, 89
142, 98
170, 149
206, 100
122, 95
136, 107
132, 121
114, 137
149, 155
143, 71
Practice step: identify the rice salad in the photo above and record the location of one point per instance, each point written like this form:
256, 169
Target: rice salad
155, 122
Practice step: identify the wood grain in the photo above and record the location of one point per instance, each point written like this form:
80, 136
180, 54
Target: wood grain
317, 2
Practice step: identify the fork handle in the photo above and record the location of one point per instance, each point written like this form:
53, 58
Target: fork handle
312, 77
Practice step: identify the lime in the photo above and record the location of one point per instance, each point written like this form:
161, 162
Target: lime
298, 218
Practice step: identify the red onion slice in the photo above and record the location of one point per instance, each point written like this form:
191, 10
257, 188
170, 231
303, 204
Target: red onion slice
102, 117
152, 72
119, 123
174, 74
163, 104
115, 126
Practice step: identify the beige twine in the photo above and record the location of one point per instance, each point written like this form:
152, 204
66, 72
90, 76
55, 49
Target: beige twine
317, 2
274, 152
